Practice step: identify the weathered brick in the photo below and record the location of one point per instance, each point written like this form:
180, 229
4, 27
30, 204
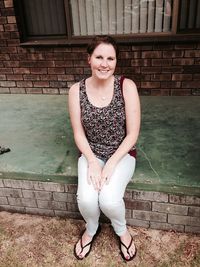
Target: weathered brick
71, 188
190, 84
21, 71
161, 62
192, 229
138, 223
3, 200
128, 194
12, 208
192, 53
181, 77
43, 195
51, 205
24, 84
60, 196
180, 199
7, 192
128, 213
173, 54
38, 70
11, 19
150, 195
169, 208
2, 77
58, 84
48, 77
184, 220
151, 70
4, 90
47, 186
194, 211
22, 202
150, 84
181, 92
1, 183
34, 90
68, 214
138, 205
72, 207
7, 84
14, 77
139, 62
6, 70
10, 27
71, 198
17, 90
8, 3
166, 226
183, 61
161, 77
152, 54
28, 193
41, 84
66, 63
22, 184
56, 70
37, 211
50, 91
149, 216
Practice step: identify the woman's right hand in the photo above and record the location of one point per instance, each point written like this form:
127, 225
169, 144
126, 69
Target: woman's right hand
94, 174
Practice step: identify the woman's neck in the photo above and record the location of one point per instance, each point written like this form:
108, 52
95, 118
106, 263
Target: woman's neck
100, 83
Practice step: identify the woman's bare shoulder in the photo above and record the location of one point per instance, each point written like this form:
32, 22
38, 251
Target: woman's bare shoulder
74, 89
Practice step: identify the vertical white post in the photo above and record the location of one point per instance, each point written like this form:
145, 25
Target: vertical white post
112, 16
167, 15
104, 16
159, 16
82, 15
120, 16
89, 17
151, 16
135, 15
143, 16
127, 16
97, 16
75, 17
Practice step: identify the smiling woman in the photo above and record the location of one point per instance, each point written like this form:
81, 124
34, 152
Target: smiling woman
105, 117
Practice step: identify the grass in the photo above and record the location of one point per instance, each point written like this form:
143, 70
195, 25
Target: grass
35, 241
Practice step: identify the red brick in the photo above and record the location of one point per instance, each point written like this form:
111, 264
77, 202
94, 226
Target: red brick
4, 90
157, 92
75, 55
62, 49
24, 84
59, 84
1, 28
63, 91
13, 42
20, 57
38, 70
56, 70
192, 53
161, 46
150, 84
21, 70
10, 27
6, 70
7, 12
17, 90
151, 70
152, 54
161, 62
31, 77
4, 57
196, 76
191, 84
34, 90
182, 92
11, 19
8, 50
51, 91
65, 77
8, 3
181, 77
2, 42
170, 84
183, 61
3, 20
74, 71
14, 77
2, 77
80, 63
173, 54
136, 47
35, 56
66, 63
41, 84
54, 56
7, 84
185, 46
141, 62
4, 35
48, 77
172, 69
161, 77
11, 63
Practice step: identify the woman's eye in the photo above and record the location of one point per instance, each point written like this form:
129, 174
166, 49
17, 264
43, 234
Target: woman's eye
99, 57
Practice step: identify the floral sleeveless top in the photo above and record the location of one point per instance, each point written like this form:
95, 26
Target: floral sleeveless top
105, 127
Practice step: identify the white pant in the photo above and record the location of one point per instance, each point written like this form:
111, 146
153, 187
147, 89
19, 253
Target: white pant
109, 199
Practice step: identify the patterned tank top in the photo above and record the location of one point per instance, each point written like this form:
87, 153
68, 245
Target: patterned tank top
105, 127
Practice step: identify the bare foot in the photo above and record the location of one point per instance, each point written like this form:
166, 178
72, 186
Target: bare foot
126, 239
82, 249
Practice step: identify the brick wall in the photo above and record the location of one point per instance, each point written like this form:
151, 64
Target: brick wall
145, 209
158, 69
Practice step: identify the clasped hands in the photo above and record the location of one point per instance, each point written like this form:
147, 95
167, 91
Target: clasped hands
98, 175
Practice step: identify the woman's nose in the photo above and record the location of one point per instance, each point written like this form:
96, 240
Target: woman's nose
104, 63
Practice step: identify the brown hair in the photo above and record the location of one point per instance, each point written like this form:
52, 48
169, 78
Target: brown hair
102, 39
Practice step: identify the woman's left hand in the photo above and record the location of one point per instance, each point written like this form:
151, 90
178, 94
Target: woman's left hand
107, 172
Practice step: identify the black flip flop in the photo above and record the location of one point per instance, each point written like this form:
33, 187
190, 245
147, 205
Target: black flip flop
127, 249
88, 244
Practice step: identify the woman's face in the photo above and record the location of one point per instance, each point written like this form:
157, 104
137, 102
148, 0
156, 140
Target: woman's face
103, 61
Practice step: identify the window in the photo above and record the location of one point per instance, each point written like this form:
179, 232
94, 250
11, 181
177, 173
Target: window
77, 20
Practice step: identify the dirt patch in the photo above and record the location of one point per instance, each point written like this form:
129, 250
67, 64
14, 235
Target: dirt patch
35, 241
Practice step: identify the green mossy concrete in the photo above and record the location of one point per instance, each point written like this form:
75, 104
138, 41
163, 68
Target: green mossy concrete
37, 130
